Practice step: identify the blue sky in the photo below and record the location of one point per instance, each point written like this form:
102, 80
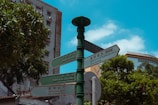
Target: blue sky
131, 24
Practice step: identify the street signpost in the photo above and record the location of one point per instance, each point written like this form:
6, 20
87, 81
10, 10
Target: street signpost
101, 56
80, 22
58, 79
53, 90
64, 59
92, 47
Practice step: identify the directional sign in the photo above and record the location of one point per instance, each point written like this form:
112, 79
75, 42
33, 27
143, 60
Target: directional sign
58, 79
64, 59
92, 47
101, 56
53, 90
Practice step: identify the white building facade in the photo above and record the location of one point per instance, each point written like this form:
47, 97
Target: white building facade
52, 19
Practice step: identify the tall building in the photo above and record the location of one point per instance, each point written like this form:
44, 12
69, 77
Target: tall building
52, 19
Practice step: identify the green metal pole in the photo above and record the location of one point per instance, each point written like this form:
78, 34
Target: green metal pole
80, 22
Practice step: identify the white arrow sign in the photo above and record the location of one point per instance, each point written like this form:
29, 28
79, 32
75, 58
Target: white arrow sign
64, 59
53, 90
101, 56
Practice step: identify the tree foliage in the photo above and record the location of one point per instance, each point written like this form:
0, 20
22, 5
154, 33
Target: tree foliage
23, 37
149, 68
121, 85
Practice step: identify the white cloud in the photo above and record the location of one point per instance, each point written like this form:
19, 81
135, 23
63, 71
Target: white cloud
101, 32
98, 33
73, 41
126, 39
134, 44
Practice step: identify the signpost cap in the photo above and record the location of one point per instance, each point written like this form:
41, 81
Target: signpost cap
81, 21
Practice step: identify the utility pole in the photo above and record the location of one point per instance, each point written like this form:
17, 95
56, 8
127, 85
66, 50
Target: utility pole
80, 22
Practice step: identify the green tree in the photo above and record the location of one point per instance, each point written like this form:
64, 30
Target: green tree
149, 68
23, 37
121, 85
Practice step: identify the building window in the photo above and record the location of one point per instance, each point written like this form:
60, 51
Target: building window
48, 23
13, 1
22, 1
39, 9
28, 2
142, 60
48, 13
